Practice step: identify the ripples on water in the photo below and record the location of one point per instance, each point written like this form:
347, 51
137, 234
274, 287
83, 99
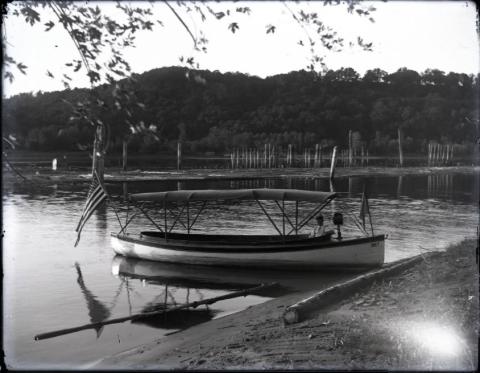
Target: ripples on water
51, 285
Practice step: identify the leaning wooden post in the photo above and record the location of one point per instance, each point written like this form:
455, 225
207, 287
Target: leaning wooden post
332, 165
264, 155
320, 156
429, 154
274, 159
124, 155
179, 155
292, 157
434, 154
98, 156
269, 156
350, 149
432, 159
400, 151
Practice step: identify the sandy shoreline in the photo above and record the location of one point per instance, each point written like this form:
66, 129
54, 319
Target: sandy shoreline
425, 317
115, 175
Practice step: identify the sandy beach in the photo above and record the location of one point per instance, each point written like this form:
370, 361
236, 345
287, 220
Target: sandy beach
422, 318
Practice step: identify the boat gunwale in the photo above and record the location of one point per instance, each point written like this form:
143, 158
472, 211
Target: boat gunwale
314, 243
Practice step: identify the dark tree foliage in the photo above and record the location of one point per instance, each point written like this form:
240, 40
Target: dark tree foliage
210, 111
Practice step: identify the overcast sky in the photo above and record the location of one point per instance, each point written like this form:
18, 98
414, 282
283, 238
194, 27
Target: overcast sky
417, 35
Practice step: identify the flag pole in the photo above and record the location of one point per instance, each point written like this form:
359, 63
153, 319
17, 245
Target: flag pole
109, 200
369, 216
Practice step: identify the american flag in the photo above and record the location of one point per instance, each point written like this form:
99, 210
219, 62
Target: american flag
96, 195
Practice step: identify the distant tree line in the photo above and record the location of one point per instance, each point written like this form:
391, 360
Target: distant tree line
211, 111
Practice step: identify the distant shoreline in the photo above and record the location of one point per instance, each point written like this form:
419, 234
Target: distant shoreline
116, 175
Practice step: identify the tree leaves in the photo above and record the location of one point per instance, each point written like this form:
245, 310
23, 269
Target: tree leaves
233, 27
22, 68
8, 75
94, 76
245, 10
96, 35
49, 25
270, 29
78, 65
31, 16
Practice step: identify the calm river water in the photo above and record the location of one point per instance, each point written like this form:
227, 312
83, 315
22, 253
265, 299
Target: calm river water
50, 285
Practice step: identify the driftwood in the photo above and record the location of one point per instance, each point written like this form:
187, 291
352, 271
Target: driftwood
137, 316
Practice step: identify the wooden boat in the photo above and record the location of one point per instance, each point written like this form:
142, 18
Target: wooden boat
290, 248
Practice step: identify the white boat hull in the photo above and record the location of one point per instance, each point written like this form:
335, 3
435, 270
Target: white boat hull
359, 252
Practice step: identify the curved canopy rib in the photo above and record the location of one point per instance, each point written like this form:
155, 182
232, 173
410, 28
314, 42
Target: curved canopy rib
235, 194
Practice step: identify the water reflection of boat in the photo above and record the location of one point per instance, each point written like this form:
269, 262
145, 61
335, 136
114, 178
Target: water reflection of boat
179, 319
289, 249
183, 275
223, 278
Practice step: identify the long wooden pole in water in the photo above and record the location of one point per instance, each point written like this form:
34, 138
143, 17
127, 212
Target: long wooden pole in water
147, 314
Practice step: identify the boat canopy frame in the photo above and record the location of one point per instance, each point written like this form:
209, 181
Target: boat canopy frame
170, 201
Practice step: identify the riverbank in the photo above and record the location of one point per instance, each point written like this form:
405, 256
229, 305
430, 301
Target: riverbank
424, 318
115, 175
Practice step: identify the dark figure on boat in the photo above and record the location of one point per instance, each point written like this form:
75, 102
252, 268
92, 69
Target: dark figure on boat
319, 229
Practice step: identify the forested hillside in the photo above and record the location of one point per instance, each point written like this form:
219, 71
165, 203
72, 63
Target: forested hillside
211, 111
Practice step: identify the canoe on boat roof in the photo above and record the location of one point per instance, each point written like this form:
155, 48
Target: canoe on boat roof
235, 194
